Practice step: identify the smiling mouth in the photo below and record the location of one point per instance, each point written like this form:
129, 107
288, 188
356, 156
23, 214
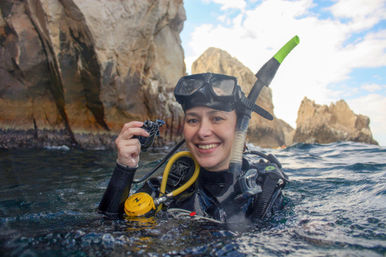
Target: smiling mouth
207, 147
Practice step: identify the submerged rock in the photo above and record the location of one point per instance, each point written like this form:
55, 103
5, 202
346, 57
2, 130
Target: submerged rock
325, 124
74, 71
261, 132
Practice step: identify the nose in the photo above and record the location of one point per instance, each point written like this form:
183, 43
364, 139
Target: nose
205, 129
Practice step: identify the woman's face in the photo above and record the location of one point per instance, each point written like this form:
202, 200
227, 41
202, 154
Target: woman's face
209, 135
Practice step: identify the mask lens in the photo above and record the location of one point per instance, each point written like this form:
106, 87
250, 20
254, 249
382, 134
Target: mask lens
188, 86
223, 87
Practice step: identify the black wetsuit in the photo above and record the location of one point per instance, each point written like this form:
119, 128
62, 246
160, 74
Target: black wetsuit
207, 196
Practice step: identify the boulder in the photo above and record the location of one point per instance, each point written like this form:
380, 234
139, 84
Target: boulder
74, 71
325, 124
261, 132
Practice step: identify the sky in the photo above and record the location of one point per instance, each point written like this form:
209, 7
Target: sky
341, 54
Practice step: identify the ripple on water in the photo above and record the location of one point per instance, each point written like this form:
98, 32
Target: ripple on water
334, 206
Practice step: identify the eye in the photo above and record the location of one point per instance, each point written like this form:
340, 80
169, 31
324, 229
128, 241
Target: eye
218, 119
191, 121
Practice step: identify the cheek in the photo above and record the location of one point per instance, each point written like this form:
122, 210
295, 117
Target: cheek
230, 130
230, 138
188, 133
229, 134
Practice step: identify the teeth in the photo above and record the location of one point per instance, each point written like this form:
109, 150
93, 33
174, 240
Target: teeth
206, 147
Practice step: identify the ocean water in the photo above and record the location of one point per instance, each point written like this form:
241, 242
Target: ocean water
335, 205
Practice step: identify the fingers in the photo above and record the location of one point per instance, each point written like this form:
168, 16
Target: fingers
128, 147
131, 129
128, 155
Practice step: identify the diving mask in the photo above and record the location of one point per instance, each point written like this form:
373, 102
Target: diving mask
213, 90
216, 91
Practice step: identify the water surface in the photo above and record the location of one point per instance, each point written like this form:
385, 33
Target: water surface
335, 205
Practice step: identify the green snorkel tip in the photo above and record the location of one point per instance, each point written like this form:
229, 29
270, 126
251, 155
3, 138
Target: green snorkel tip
284, 51
268, 70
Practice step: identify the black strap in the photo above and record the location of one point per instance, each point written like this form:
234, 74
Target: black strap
257, 109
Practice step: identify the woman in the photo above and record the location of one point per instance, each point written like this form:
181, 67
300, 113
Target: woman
212, 103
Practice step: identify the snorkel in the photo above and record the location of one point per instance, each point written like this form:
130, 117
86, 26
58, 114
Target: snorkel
264, 78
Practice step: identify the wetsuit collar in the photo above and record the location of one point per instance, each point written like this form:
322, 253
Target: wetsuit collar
216, 177
215, 183
210, 177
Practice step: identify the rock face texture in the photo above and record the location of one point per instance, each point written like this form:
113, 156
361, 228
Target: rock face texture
325, 124
262, 132
73, 71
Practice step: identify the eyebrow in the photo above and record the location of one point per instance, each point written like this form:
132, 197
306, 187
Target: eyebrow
197, 115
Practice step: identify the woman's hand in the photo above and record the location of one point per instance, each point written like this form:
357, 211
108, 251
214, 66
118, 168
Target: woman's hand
128, 147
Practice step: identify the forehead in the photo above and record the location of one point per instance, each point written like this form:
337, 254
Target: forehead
203, 110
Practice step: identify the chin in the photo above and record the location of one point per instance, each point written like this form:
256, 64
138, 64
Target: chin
210, 166
205, 164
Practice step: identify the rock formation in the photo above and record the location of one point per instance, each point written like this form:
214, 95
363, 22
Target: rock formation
325, 124
262, 132
73, 71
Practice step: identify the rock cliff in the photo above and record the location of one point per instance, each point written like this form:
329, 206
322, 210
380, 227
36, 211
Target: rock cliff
325, 124
262, 132
73, 71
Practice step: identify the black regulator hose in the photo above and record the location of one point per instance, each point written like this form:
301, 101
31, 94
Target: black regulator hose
139, 180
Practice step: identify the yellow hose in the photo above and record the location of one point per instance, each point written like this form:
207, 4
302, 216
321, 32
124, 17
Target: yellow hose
167, 170
141, 203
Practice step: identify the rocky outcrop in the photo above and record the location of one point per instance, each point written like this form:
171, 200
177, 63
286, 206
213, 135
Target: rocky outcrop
262, 132
325, 124
73, 71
